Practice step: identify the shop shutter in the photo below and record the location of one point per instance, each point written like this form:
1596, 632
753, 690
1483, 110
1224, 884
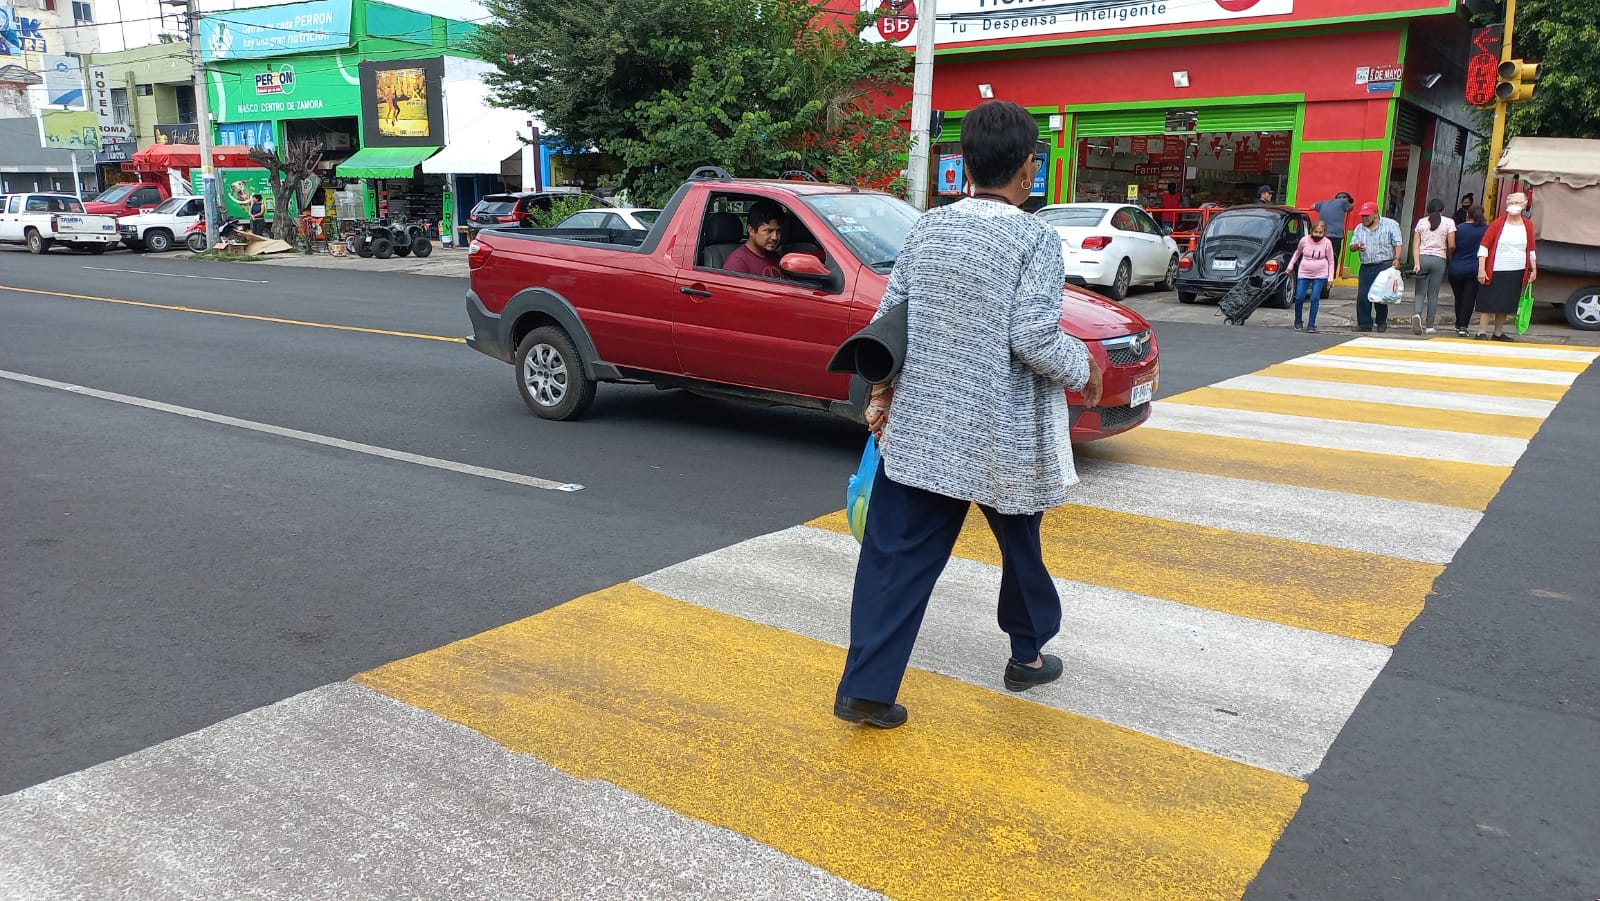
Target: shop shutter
1270, 117
1409, 125
1117, 123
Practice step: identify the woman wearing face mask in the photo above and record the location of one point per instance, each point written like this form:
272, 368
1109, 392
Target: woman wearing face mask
1431, 245
1313, 266
1506, 263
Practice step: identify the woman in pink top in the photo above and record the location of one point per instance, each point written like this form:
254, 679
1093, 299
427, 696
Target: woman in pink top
1313, 266
1431, 245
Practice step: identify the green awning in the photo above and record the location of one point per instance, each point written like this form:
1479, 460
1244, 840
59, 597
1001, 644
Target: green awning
384, 162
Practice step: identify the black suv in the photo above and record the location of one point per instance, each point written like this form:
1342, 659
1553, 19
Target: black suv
513, 209
1238, 243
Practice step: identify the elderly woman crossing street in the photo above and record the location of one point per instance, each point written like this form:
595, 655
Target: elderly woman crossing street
977, 415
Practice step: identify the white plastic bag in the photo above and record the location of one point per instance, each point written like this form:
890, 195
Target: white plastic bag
1388, 287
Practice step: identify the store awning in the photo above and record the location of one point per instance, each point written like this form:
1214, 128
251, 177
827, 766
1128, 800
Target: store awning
384, 162
158, 157
1572, 161
475, 154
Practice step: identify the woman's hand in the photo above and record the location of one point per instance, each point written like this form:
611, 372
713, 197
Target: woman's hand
878, 407
1095, 386
1533, 272
1483, 277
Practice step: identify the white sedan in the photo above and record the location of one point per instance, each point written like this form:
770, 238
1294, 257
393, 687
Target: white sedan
1113, 246
612, 217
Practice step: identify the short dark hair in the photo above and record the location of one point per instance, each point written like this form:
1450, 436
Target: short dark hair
255, 196
761, 212
997, 138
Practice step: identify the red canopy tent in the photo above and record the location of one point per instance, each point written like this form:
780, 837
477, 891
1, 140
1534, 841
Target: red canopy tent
161, 157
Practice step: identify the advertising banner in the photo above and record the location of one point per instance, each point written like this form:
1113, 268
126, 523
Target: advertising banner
275, 30
10, 33
236, 186
951, 176
401, 103
184, 133
965, 21
63, 81
99, 101
310, 87
246, 134
71, 130
1040, 177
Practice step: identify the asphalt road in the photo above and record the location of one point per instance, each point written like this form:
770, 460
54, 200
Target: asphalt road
165, 573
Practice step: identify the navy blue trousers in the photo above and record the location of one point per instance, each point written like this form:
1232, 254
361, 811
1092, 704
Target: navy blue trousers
909, 537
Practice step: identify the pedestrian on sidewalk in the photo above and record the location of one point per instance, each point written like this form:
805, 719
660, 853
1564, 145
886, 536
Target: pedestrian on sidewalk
1507, 262
1463, 211
258, 215
1432, 242
1377, 239
977, 415
1312, 264
1464, 267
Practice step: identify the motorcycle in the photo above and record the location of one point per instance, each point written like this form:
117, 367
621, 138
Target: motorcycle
195, 236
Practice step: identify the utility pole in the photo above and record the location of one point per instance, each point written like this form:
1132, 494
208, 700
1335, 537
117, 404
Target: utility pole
922, 106
202, 113
1497, 136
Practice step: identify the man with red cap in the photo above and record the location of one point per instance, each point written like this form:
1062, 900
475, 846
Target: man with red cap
1377, 239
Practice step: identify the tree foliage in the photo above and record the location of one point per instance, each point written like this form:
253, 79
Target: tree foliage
757, 86
1562, 36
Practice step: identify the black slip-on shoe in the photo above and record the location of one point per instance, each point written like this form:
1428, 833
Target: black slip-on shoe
873, 713
1022, 678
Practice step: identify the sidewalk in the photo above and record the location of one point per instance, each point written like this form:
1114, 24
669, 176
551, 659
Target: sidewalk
443, 263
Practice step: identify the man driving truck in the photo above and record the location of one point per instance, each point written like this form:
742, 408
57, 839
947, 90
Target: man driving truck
758, 255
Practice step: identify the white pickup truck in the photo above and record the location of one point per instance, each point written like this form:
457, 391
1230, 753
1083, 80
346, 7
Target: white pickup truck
162, 227
40, 220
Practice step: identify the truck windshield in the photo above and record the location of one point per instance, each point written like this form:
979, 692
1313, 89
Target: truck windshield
873, 225
115, 194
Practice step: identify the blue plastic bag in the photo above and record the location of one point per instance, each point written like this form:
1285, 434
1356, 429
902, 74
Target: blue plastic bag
859, 491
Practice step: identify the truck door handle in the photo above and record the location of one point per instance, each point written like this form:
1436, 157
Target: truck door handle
695, 292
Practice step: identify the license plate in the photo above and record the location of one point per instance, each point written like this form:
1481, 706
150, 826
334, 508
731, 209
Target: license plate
1142, 394
1225, 265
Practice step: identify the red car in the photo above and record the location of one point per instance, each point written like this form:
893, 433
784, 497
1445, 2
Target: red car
569, 309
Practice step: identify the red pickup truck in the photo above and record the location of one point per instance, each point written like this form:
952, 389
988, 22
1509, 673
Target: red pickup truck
572, 308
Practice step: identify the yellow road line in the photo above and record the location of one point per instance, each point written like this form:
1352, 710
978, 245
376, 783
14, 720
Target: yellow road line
1363, 411
182, 309
1420, 382
1384, 353
1357, 595
1467, 485
981, 795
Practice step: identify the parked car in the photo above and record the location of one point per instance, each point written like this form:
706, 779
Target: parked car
159, 229
41, 220
513, 209
1240, 242
618, 217
569, 309
129, 198
1114, 246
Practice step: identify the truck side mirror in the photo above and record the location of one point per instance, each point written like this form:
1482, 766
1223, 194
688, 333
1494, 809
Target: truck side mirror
803, 265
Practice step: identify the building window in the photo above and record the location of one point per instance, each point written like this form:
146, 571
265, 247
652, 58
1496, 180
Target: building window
184, 95
82, 13
119, 106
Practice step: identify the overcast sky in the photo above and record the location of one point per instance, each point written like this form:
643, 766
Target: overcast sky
135, 23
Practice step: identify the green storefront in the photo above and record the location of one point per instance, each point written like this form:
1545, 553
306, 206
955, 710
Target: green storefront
364, 79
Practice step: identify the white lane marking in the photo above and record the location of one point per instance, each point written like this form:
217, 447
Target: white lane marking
1410, 531
1426, 444
1478, 349
209, 278
1143, 663
296, 434
1448, 370
1404, 397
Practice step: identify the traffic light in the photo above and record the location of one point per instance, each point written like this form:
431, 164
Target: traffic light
1518, 81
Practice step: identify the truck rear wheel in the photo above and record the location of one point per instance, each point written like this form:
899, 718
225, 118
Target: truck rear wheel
550, 375
37, 243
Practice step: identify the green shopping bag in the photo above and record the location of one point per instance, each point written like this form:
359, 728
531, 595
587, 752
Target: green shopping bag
1525, 309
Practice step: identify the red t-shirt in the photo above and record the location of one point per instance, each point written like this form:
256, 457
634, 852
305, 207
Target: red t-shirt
751, 263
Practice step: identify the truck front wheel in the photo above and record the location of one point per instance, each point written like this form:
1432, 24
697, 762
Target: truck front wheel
550, 375
37, 243
158, 240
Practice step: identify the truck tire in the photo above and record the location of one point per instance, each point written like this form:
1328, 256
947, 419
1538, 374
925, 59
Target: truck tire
1583, 309
382, 248
158, 240
196, 242
550, 375
37, 243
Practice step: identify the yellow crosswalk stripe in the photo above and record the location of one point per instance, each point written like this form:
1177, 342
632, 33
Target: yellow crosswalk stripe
1467, 485
1403, 381
982, 795
1357, 595
1384, 353
1363, 411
